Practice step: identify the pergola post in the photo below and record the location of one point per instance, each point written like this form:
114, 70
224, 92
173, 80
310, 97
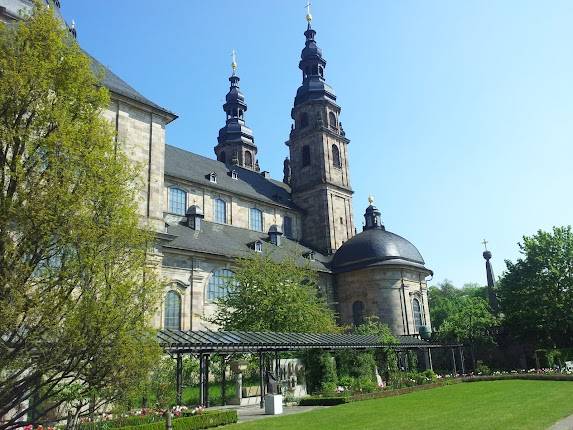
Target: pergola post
179, 378
262, 379
224, 380
462, 363
428, 358
201, 378
206, 392
454, 367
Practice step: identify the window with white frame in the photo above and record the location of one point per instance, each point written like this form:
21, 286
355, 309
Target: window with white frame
256, 219
417, 311
220, 211
172, 316
219, 283
177, 201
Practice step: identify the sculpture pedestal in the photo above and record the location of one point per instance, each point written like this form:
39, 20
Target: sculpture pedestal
273, 404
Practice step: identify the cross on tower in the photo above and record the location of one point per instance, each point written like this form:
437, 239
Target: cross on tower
308, 14
484, 242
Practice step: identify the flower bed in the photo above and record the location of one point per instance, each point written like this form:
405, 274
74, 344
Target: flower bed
526, 376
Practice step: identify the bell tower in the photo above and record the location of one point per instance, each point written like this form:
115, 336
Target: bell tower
236, 144
319, 155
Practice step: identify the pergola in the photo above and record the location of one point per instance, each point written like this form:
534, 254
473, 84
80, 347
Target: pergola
227, 343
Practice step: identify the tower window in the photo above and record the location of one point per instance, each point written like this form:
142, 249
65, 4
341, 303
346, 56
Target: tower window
256, 219
287, 226
220, 211
248, 159
417, 314
222, 157
303, 120
305, 155
336, 157
177, 201
358, 312
332, 120
172, 317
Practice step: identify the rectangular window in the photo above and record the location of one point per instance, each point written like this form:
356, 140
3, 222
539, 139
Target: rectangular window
177, 200
287, 226
256, 220
220, 211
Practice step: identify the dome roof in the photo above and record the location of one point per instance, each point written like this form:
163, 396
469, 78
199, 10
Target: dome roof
374, 247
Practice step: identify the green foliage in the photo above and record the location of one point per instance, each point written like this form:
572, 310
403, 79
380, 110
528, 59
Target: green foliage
130, 421
320, 371
76, 289
536, 292
205, 420
411, 379
482, 369
279, 296
445, 299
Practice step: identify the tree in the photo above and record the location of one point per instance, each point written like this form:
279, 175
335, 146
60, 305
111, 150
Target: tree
268, 295
472, 322
76, 289
536, 292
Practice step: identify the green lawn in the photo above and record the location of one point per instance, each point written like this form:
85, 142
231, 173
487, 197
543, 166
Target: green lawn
478, 405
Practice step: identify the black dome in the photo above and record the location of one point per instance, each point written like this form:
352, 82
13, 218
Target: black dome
374, 247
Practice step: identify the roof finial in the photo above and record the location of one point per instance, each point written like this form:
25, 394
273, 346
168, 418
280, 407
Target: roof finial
308, 14
234, 62
370, 199
484, 242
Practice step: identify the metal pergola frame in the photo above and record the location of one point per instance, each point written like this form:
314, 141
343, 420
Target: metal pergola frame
227, 343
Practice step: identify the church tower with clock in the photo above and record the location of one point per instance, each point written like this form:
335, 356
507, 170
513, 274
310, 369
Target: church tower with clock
319, 156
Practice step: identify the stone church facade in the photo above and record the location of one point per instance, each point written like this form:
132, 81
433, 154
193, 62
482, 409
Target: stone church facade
208, 212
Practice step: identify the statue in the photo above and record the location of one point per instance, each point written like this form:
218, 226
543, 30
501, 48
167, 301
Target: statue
286, 171
272, 385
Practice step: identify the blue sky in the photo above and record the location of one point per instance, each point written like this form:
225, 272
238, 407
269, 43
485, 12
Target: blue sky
460, 113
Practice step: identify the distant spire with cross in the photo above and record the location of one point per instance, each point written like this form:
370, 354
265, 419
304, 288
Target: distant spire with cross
484, 243
308, 14
492, 298
234, 61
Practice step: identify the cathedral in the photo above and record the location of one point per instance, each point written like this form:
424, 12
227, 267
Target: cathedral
207, 212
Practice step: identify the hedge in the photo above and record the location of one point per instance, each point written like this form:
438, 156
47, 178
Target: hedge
322, 401
132, 421
196, 422
525, 376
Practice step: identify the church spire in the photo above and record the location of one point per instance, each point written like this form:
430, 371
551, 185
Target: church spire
236, 144
492, 298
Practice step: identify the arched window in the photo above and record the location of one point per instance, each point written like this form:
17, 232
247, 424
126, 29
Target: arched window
172, 318
303, 120
222, 157
332, 120
358, 312
305, 155
336, 156
219, 282
287, 226
220, 211
248, 159
177, 201
256, 220
417, 314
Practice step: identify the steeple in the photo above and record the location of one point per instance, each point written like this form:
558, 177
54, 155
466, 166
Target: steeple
492, 298
318, 148
236, 144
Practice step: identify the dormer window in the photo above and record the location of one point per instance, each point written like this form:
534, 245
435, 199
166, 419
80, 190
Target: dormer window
258, 246
212, 177
234, 174
309, 255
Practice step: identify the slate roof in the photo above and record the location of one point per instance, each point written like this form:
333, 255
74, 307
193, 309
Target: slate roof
233, 242
196, 168
376, 247
118, 86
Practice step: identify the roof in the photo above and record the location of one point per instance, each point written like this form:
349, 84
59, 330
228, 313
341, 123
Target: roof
118, 86
189, 166
177, 341
228, 241
376, 247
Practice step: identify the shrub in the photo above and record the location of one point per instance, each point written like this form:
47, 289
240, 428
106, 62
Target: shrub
482, 369
196, 422
120, 422
320, 370
322, 401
